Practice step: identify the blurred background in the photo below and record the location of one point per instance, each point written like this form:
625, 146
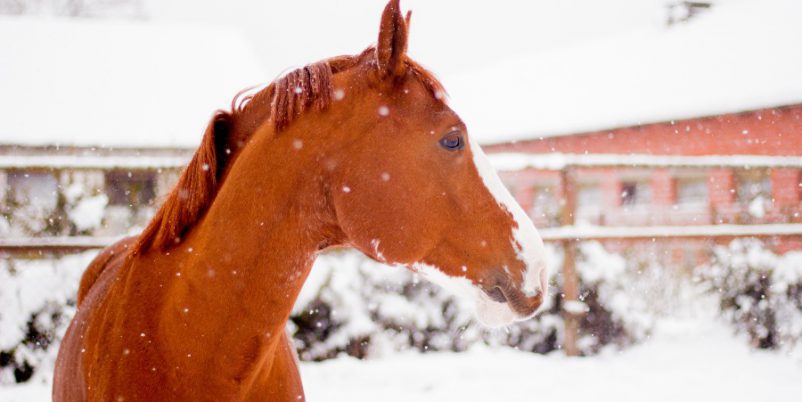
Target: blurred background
656, 144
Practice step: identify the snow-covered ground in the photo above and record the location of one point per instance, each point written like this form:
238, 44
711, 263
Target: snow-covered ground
686, 360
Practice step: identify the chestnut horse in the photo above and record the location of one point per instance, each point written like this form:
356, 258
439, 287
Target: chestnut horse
359, 151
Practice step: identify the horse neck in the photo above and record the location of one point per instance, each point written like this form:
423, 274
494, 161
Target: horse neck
243, 265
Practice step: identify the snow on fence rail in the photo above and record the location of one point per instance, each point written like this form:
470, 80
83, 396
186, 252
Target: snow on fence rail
57, 245
559, 161
501, 161
92, 162
649, 232
578, 233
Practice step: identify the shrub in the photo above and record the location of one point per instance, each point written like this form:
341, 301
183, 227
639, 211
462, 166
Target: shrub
356, 306
36, 303
759, 292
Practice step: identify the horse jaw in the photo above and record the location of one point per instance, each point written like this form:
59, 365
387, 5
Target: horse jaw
526, 240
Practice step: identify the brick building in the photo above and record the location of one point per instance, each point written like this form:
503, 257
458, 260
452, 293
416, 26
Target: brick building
712, 89
673, 196
678, 195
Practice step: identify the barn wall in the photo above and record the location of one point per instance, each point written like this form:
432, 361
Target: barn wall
764, 132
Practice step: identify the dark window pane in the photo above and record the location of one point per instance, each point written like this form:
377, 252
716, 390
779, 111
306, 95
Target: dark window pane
130, 188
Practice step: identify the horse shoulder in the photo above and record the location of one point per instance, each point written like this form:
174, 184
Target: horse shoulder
108, 256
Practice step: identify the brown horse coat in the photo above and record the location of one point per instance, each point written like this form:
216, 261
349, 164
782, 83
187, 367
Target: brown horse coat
357, 151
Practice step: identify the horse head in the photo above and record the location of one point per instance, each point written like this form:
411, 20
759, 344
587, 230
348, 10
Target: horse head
390, 170
411, 187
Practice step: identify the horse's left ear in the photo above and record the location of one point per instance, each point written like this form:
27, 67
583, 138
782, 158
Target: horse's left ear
392, 47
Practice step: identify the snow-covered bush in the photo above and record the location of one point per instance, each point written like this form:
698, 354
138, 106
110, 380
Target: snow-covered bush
37, 300
350, 304
49, 204
84, 207
353, 305
760, 292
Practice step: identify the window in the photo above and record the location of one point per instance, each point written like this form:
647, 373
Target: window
39, 190
588, 196
635, 193
545, 206
131, 189
32, 204
754, 191
589, 204
692, 191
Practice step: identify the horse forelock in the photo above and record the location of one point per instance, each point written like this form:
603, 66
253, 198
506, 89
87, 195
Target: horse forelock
288, 98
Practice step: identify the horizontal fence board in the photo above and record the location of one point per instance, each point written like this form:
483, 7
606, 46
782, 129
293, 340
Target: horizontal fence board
92, 162
579, 233
664, 232
559, 161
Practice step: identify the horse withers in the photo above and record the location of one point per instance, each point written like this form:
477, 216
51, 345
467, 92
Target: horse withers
359, 151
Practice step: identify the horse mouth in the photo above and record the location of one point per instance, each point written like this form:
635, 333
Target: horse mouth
522, 305
497, 295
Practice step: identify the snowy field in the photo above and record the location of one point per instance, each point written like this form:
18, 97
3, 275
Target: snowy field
688, 360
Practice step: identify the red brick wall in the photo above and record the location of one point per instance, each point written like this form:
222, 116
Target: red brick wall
664, 189
764, 132
721, 187
785, 187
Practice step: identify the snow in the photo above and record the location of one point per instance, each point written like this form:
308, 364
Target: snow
587, 65
689, 353
36, 286
88, 212
510, 161
446, 35
757, 207
500, 161
115, 83
583, 232
645, 232
733, 58
83, 242
93, 161
686, 360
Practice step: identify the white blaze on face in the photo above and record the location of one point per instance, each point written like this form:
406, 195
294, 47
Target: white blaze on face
525, 237
525, 240
491, 313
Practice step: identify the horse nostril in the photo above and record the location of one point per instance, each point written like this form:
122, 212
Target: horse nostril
496, 294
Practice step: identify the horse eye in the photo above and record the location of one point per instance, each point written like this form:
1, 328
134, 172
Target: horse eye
452, 141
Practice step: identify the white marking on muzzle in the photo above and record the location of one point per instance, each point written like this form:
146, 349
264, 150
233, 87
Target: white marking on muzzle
491, 313
526, 239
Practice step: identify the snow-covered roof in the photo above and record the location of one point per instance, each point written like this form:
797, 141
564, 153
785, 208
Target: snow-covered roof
115, 83
738, 56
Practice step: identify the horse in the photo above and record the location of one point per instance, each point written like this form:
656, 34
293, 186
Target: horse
357, 151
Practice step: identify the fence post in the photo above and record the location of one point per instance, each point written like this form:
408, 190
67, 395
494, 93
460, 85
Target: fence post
570, 279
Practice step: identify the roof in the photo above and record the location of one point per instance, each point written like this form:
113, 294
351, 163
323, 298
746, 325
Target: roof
116, 83
738, 56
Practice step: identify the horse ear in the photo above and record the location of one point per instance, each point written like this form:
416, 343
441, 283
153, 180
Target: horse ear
392, 47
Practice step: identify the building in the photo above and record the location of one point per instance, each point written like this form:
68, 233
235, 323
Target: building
698, 123
102, 115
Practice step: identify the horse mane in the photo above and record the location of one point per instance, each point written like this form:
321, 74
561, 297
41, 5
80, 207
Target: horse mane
290, 96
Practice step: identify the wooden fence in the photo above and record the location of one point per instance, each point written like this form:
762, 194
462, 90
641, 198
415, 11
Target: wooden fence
568, 234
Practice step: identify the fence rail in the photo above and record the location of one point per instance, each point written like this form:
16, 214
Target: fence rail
92, 162
559, 161
580, 233
53, 245
64, 245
